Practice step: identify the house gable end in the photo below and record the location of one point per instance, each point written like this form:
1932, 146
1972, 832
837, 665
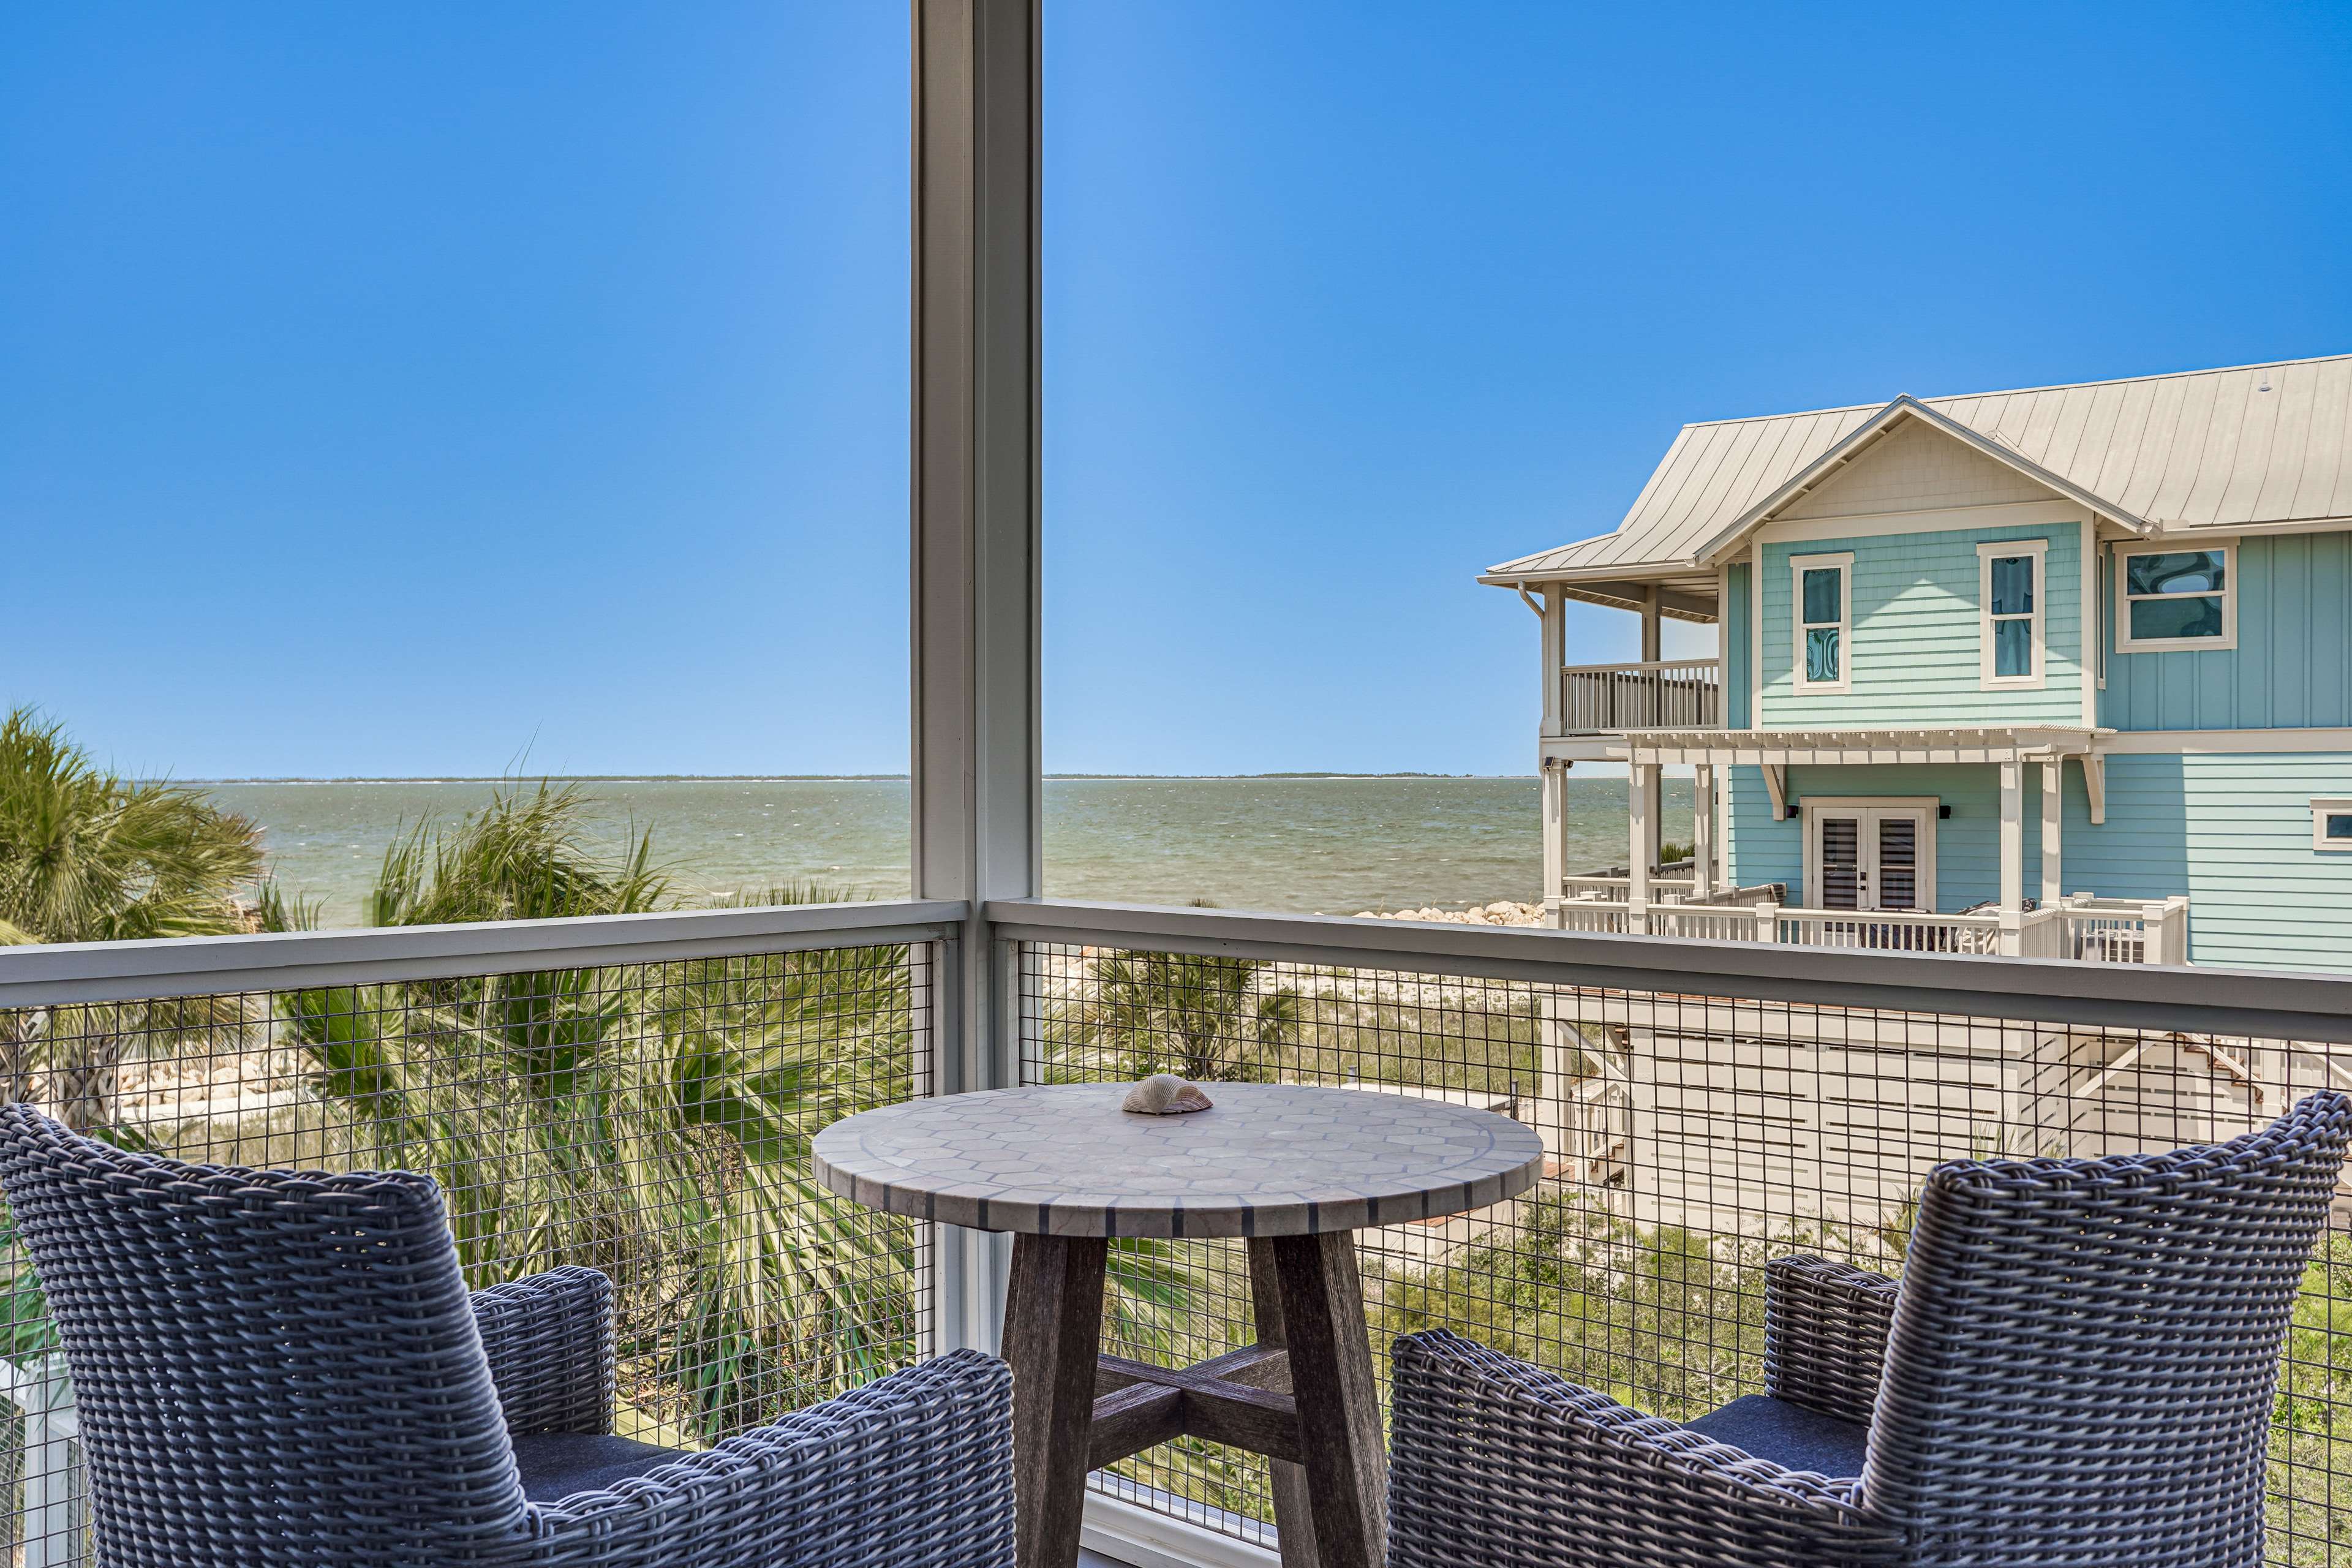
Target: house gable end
1917, 468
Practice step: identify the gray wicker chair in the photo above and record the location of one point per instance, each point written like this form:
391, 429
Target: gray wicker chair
2078, 1368
285, 1370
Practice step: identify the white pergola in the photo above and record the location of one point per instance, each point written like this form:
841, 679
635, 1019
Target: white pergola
2008, 747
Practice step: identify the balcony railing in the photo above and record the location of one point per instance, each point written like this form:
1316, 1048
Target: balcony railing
631, 1094
1663, 694
1702, 1113
2096, 931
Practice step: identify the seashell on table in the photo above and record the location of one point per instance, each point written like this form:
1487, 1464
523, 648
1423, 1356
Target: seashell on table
1164, 1094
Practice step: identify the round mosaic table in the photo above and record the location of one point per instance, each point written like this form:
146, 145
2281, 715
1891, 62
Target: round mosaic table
1291, 1169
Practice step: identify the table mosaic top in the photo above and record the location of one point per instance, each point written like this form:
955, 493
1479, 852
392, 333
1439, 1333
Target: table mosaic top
1265, 1160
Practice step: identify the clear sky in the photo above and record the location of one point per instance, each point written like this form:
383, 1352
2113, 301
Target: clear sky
436, 388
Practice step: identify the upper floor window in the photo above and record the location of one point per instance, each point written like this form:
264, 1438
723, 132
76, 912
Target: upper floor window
2331, 824
2175, 598
2009, 594
1821, 597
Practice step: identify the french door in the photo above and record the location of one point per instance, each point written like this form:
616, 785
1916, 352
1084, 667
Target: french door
1870, 857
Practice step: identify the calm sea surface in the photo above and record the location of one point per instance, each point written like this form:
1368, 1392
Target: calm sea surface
1310, 844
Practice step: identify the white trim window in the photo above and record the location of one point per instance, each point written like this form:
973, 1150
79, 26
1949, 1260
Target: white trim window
2176, 596
2011, 593
2331, 825
1820, 614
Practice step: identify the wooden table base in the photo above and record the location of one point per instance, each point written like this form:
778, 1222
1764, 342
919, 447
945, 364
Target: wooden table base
1303, 1396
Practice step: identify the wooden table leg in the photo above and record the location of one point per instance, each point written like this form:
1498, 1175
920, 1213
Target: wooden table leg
1293, 1516
1053, 1331
1339, 1403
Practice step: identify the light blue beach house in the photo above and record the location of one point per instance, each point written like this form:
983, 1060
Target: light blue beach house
2062, 672
2065, 672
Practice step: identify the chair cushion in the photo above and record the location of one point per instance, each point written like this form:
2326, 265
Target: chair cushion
557, 1464
1790, 1436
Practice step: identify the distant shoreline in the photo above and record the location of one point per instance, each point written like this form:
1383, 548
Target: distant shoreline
832, 778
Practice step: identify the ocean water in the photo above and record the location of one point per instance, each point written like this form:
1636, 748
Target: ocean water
1332, 844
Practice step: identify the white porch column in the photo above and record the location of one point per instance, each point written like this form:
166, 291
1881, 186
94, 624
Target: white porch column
975, 785
1554, 642
1555, 836
1655, 688
1642, 785
2012, 857
2054, 882
1702, 830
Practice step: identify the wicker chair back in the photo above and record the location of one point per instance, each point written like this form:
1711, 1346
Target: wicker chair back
291, 1346
2084, 1352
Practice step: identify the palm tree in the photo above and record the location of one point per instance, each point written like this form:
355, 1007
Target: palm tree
1200, 1016
86, 856
651, 1120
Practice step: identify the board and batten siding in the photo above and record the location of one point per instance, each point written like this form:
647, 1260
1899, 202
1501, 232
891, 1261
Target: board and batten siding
2232, 831
1915, 657
1736, 643
2292, 668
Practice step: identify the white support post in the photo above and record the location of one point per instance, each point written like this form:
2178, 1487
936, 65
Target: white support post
975, 761
1554, 642
1702, 831
1639, 779
56, 1487
1653, 701
2012, 857
2053, 882
1555, 837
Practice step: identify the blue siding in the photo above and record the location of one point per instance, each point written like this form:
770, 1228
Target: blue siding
1967, 844
2231, 832
1736, 645
1757, 849
2292, 668
1916, 654
2234, 833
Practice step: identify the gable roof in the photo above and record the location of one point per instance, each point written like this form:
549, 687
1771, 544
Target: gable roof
2200, 450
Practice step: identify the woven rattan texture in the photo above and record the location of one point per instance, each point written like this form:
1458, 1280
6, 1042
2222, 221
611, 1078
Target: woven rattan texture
550, 1343
1499, 1463
278, 1369
2078, 1370
2084, 1355
1825, 1334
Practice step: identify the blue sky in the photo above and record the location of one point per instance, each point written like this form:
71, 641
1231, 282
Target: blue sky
434, 388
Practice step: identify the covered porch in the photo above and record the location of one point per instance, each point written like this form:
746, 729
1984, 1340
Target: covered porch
1868, 867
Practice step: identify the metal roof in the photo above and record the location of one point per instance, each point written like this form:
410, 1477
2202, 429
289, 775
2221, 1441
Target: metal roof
2227, 448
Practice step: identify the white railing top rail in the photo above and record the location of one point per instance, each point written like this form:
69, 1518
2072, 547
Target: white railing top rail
2259, 1003
64, 973
1642, 667
1891, 917
2102, 904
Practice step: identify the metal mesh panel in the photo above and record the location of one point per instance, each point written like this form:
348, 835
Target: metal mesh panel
1689, 1140
649, 1120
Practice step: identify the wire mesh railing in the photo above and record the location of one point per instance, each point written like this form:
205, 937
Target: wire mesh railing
1689, 1139
649, 1119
